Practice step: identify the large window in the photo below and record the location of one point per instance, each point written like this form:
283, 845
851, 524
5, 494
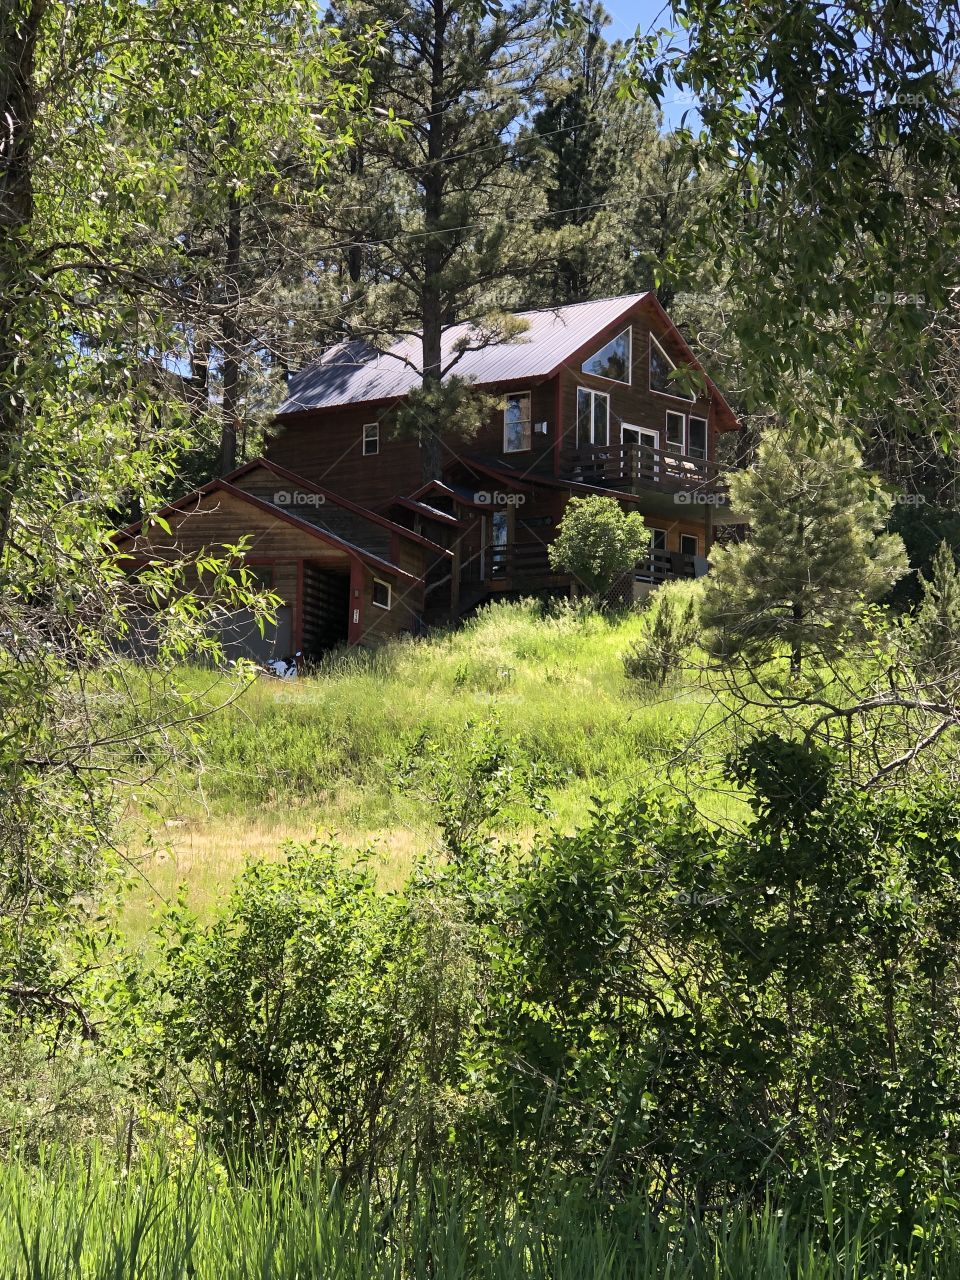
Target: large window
371, 438
697, 441
611, 361
516, 423
675, 431
661, 367
593, 417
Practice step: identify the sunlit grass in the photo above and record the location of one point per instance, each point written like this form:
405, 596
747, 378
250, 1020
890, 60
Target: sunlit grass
292, 759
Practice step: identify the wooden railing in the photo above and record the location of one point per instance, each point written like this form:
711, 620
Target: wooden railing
621, 466
662, 566
525, 560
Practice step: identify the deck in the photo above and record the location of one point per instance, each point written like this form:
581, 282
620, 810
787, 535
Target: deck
632, 467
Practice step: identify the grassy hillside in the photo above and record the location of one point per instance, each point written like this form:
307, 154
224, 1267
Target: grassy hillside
290, 758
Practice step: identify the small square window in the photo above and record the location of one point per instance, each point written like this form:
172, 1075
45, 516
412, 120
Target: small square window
371, 438
689, 544
382, 593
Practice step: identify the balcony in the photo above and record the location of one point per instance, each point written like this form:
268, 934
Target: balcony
631, 467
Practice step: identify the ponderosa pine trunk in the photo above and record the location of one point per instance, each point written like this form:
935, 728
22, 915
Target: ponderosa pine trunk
430, 293
230, 334
19, 32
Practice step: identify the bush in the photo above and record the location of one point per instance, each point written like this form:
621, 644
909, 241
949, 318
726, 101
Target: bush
672, 628
315, 1010
598, 542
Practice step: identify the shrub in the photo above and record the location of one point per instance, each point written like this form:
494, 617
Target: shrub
315, 1010
598, 542
672, 628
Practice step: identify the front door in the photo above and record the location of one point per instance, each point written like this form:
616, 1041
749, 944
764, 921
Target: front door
642, 463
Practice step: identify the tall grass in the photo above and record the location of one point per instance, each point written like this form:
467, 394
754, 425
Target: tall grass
554, 680
289, 759
71, 1218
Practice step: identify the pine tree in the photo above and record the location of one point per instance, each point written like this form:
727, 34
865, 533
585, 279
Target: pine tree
435, 214
814, 555
935, 635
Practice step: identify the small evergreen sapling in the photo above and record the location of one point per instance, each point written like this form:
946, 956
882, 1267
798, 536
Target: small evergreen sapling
935, 635
815, 554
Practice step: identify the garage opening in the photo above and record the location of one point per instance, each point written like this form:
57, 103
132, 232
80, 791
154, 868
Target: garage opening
326, 609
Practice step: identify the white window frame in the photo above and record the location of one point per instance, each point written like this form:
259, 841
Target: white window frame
672, 395
618, 382
698, 417
365, 439
696, 541
374, 601
667, 442
519, 395
605, 395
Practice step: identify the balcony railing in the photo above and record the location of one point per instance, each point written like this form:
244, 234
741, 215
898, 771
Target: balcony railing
623, 466
515, 561
663, 566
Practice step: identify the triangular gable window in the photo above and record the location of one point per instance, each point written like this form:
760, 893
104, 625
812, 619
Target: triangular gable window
611, 361
661, 367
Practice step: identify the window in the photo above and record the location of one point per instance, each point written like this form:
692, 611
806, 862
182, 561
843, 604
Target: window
516, 423
675, 431
612, 361
697, 442
658, 539
593, 417
689, 544
382, 593
371, 438
661, 367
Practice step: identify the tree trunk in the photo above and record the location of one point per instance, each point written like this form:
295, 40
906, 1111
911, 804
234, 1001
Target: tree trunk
430, 293
230, 335
19, 29
796, 650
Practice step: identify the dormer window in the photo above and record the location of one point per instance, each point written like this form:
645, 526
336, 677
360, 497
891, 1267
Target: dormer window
611, 361
661, 367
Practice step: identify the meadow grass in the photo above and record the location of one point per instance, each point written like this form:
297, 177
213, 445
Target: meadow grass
321, 755
86, 1217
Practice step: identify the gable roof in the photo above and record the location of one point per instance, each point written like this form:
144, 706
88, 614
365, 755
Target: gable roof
191, 501
354, 372
335, 499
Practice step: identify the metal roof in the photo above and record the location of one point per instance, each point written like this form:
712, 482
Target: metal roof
354, 372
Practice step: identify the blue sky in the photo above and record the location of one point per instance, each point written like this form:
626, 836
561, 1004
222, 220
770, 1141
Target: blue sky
627, 15
649, 15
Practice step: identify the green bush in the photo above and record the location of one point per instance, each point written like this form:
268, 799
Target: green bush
648, 1001
671, 630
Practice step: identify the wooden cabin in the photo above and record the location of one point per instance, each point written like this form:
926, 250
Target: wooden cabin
596, 397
